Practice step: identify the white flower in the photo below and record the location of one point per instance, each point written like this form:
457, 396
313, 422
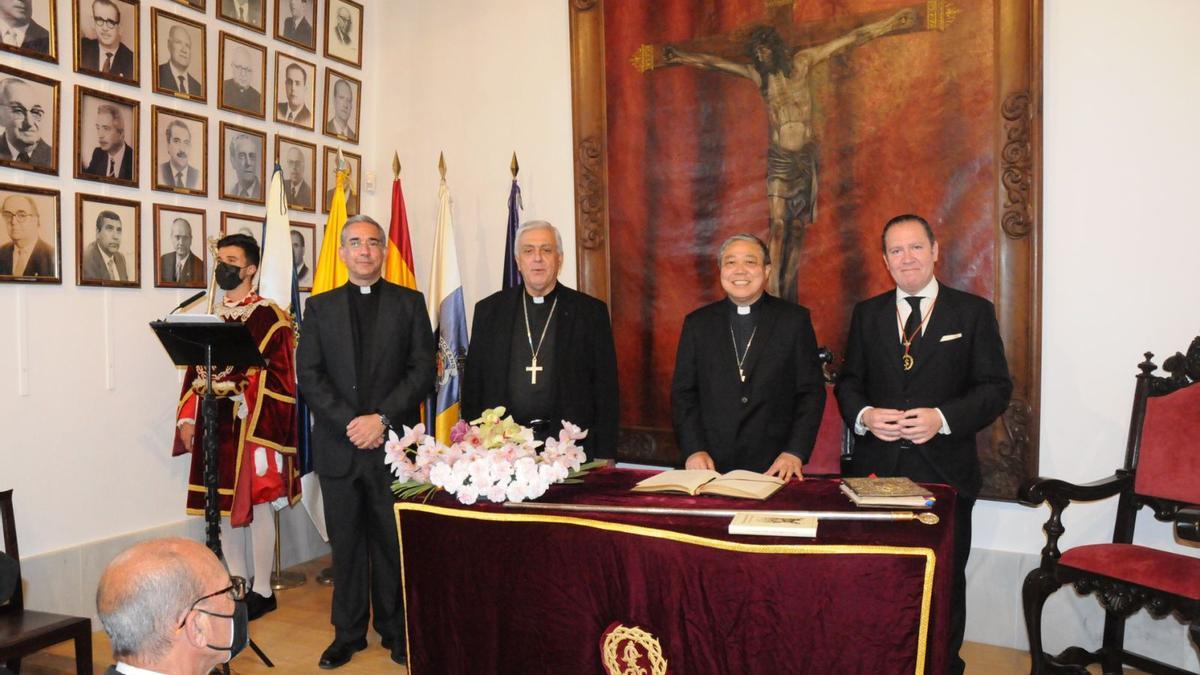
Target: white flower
439, 475
467, 494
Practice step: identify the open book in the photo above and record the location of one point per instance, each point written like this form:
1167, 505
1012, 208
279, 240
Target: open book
772, 524
740, 483
888, 492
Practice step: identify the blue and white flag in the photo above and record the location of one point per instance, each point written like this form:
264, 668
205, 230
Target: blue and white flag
449, 317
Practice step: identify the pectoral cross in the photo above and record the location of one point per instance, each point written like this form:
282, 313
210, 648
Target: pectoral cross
533, 368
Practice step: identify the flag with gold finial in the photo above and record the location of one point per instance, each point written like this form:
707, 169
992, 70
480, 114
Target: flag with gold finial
449, 317
398, 267
331, 271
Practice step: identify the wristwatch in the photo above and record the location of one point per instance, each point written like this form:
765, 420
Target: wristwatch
383, 419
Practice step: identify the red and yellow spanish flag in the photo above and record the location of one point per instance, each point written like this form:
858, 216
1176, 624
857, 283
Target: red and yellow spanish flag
398, 268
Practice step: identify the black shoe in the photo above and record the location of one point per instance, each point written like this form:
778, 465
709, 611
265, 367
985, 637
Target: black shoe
399, 655
257, 605
338, 654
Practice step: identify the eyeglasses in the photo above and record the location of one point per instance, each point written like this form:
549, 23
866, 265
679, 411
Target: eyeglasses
236, 588
36, 113
20, 217
369, 243
107, 23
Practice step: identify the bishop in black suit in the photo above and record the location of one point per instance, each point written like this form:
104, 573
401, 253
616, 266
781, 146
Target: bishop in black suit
916, 407
574, 377
747, 391
366, 362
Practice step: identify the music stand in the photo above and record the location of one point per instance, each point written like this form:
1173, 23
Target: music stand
214, 343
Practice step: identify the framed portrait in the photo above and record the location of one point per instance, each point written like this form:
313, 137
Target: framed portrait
108, 241
294, 21
250, 14
354, 180
295, 91
343, 105
180, 247
179, 55
344, 31
198, 5
30, 234
304, 254
107, 39
243, 72
299, 163
237, 223
707, 110
180, 151
243, 164
106, 137
29, 123
34, 27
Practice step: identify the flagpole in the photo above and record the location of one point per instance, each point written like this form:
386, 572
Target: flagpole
282, 580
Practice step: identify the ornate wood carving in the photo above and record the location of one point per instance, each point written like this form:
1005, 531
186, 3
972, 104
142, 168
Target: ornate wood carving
1017, 165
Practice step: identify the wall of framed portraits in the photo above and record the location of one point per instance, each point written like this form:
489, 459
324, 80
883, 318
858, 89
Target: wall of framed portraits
131, 132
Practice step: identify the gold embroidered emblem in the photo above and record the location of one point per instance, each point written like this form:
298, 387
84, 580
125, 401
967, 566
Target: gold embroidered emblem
627, 650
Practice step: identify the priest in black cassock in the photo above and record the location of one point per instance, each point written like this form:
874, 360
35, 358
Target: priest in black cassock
747, 391
544, 351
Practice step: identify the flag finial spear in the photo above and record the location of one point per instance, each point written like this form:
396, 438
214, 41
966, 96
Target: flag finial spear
514, 166
396, 165
341, 160
442, 164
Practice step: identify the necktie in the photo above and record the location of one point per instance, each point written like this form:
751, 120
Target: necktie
107, 63
112, 270
179, 179
23, 156
10, 38
18, 262
112, 167
179, 270
912, 327
242, 12
182, 84
291, 117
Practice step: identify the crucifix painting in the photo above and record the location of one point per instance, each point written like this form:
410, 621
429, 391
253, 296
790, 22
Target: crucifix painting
808, 123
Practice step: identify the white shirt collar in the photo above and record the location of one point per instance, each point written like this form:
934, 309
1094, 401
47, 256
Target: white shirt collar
127, 669
5, 27
107, 258
14, 152
929, 292
176, 74
118, 158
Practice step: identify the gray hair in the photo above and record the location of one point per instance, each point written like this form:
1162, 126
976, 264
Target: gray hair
363, 219
113, 112
530, 225
141, 614
747, 238
7, 84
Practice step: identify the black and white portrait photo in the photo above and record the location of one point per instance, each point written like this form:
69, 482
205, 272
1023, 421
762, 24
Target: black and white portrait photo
304, 251
179, 56
342, 105
294, 21
246, 13
28, 121
295, 91
353, 180
199, 5
243, 67
107, 241
236, 223
27, 27
243, 164
179, 247
299, 163
107, 39
106, 137
344, 31
179, 150
30, 234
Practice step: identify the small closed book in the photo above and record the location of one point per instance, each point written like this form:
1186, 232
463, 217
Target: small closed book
889, 492
765, 523
740, 483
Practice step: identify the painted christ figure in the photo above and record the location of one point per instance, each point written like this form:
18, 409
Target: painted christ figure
782, 75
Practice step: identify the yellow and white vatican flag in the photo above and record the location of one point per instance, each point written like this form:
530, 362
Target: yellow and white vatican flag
275, 269
449, 317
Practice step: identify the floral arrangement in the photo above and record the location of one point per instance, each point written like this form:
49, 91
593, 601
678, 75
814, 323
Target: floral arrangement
492, 458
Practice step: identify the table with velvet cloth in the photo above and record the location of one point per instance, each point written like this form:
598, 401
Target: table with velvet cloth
490, 589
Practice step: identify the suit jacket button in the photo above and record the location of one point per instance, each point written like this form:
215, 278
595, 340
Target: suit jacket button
745, 400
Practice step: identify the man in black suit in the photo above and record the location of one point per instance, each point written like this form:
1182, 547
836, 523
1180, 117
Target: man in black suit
747, 391
295, 109
178, 171
924, 372
26, 254
297, 27
21, 117
299, 192
169, 606
365, 364
112, 157
173, 74
18, 29
106, 54
544, 351
238, 91
181, 266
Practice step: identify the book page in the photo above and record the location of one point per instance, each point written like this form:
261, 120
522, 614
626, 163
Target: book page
681, 480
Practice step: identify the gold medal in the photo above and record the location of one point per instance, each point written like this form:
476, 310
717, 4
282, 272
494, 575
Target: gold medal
908, 362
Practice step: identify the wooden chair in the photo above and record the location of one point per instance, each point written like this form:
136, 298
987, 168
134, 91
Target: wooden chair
1161, 471
23, 631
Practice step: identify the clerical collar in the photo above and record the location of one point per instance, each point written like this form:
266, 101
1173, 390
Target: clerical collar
367, 290
743, 310
542, 299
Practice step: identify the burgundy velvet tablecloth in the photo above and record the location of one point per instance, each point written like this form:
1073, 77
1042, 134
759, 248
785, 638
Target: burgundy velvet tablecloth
489, 589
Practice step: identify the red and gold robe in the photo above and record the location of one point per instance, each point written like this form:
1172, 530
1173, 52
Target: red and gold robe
263, 416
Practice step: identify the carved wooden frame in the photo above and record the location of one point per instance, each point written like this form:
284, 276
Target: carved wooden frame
1018, 133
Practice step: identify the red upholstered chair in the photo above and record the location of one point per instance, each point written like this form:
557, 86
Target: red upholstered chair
24, 631
833, 439
1161, 471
